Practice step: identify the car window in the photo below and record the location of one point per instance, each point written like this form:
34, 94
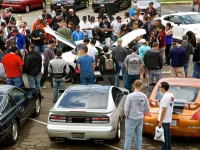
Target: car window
175, 19
190, 19
84, 100
17, 95
181, 93
5, 104
117, 95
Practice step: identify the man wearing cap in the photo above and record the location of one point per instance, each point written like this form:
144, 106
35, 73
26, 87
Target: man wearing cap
55, 20
85, 26
46, 16
116, 25
133, 10
151, 11
120, 54
39, 22
106, 27
77, 35
73, 17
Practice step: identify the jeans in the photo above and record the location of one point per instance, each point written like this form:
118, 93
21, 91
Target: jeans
58, 84
40, 49
34, 82
1, 56
115, 38
196, 70
15, 81
152, 74
87, 78
130, 80
167, 135
185, 66
121, 67
133, 127
45, 76
109, 79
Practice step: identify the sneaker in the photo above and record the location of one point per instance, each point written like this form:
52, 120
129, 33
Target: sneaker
44, 86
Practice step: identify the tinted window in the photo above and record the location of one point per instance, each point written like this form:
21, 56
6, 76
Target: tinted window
117, 95
84, 100
5, 104
181, 93
17, 95
175, 19
190, 19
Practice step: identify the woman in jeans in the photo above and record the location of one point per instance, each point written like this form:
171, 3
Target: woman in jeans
169, 40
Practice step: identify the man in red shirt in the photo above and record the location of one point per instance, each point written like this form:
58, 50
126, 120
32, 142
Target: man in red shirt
161, 39
13, 65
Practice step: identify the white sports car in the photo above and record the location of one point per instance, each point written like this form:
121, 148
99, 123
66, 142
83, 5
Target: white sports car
184, 23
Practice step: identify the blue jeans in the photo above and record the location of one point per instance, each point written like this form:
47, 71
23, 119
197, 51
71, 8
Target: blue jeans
87, 78
115, 38
185, 66
1, 56
121, 67
40, 49
133, 127
152, 74
58, 84
34, 82
15, 81
167, 135
130, 80
196, 70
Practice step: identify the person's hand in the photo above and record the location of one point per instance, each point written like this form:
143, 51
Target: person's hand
1, 52
160, 124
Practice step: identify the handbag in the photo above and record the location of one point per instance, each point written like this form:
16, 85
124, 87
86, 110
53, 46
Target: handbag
159, 134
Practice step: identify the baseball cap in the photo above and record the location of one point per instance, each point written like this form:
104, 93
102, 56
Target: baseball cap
118, 18
142, 41
71, 10
40, 17
119, 40
84, 18
151, 3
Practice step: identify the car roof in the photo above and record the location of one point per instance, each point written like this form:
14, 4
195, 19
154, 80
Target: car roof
192, 82
4, 89
182, 13
89, 88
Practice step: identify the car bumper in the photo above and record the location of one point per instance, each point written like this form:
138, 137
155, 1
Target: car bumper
13, 6
56, 6
184, 128
90, 132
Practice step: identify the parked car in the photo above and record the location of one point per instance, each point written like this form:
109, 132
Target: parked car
71, 54
85, 112
16, 106
97, 5
75, 4
186, 112
23, 5
184, 23
143, 4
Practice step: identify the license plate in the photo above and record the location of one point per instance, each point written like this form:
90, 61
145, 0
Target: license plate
102, 5
173, 123
78, 136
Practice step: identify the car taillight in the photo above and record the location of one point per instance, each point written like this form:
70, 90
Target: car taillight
147, 114
196, 116
100, 120
57, 118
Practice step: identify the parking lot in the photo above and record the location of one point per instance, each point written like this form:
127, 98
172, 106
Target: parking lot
33, 134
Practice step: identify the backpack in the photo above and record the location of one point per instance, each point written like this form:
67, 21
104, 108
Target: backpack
109, 64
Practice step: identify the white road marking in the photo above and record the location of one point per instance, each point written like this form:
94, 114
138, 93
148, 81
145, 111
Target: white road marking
44, 123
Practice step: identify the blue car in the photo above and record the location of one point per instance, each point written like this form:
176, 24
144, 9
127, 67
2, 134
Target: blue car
16, 106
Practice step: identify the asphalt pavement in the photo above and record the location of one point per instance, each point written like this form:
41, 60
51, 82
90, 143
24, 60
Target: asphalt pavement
33, 133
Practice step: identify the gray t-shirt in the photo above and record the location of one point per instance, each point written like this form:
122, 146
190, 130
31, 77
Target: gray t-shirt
136, 105
133, 62
2, 70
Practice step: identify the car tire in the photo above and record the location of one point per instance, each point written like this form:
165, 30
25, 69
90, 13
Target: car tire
86, 4
37, 107
27, 8
118, 133
43, 5
14, 132
69, 77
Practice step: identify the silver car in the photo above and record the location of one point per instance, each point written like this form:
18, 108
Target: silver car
85, 112
143, 4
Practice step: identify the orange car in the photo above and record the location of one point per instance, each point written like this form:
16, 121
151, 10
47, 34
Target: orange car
186, 112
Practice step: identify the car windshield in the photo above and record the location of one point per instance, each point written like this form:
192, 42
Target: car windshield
181, 93
3, 103
84, 100
190, 19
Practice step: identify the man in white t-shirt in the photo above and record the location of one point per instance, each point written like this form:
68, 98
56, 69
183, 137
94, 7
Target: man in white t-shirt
85, 26
165, 114
116, 25
92, 51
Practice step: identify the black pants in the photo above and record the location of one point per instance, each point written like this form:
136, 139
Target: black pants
167, 50
45, 76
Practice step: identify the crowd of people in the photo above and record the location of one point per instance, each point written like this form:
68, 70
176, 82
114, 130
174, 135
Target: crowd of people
37, 54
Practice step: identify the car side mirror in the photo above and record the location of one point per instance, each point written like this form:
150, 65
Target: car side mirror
178, 23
